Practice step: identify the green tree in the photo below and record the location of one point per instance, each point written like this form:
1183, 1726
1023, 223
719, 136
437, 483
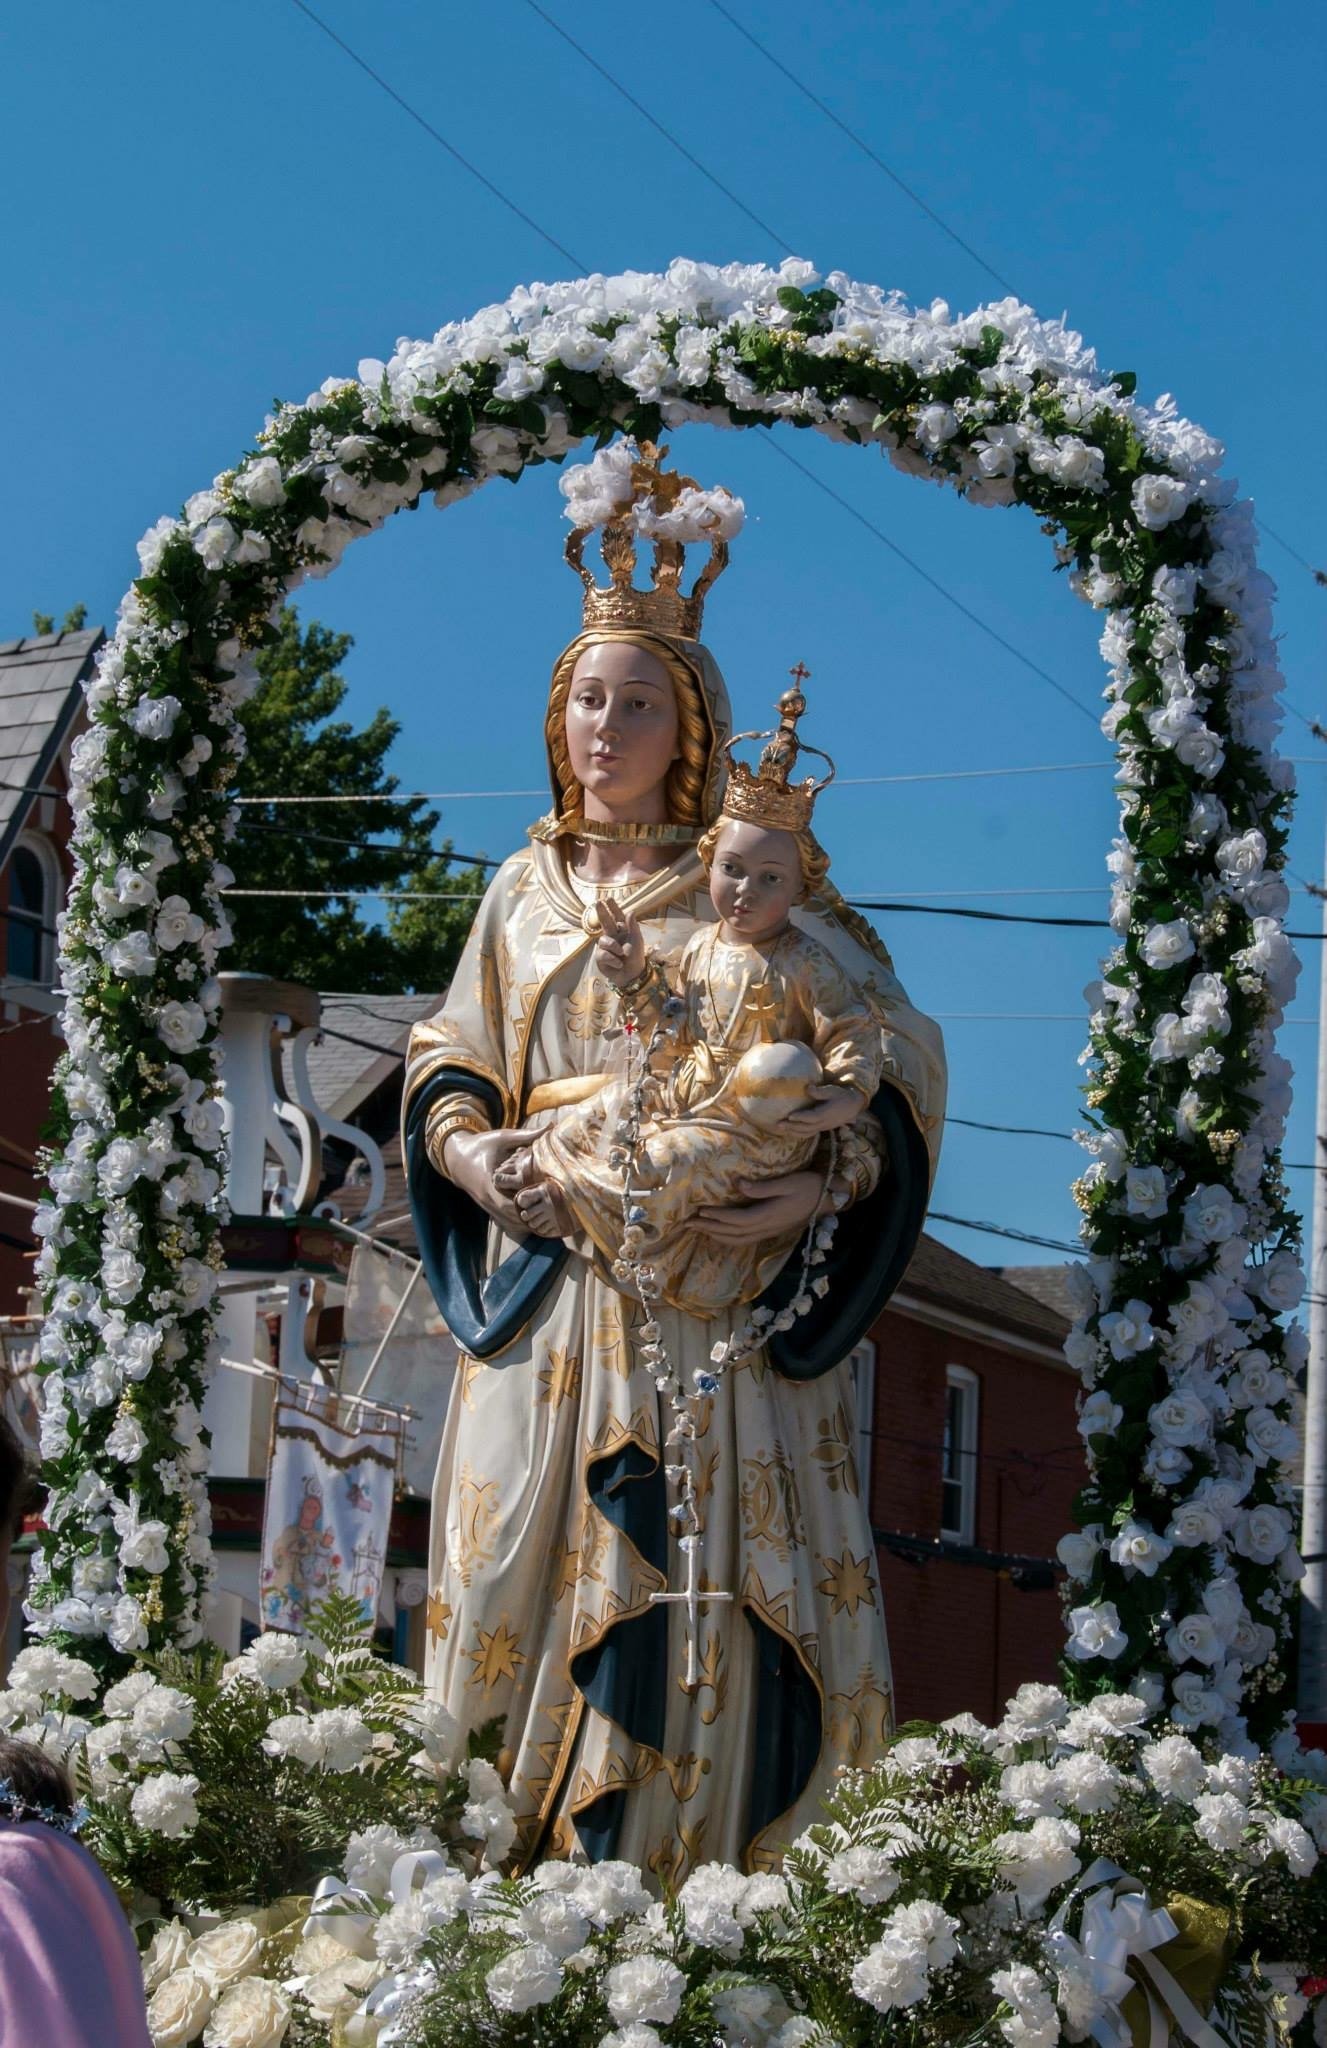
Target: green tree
73, 621
298, 747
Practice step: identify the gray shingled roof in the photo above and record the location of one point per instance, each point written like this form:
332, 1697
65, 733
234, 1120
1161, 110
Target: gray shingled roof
40, 693
360, 1036
943, 1276
1050, 1285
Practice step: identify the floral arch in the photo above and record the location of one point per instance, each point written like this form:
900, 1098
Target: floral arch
1181, 1583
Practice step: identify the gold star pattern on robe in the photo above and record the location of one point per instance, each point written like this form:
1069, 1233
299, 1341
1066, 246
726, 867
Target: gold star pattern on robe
437, 1618
560, 1378
847, 1581
498, 1656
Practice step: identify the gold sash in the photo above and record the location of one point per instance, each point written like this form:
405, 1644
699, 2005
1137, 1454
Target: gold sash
562, 1093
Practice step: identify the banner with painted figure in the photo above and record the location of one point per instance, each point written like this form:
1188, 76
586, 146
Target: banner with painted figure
417, 1366
329, 1502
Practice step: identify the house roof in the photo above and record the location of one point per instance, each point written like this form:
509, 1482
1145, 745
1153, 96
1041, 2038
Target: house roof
363, 1038
41, 693
945, 1278
1050, 1285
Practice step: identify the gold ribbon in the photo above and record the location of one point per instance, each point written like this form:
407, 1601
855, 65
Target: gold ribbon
561, 1094
1182, 1977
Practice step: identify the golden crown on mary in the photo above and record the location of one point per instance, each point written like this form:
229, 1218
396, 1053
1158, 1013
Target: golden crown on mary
767, 797
664, 608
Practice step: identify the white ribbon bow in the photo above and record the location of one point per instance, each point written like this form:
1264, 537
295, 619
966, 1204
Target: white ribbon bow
1118, 1921
347, 1913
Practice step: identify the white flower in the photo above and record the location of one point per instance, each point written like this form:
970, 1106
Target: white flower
1034, 1861
645, 1987
927, 1923
1280, 1283
153, 718
162, 1714
1087, 1783
1145, 1191
1099, 1415
1158, 500
1095, 1632
216, 541
863, 1872
122, 1276
1288, 1839
166, 1804
892, 1973
526, 1977
1165, 945
936, 424
341, 1738
1175, 1767
259, 483
1220, 1820
49, 1673
1181, 1418
234, 1949
1212, 1214
165, 1953
181, 1025
709, 1900
1194, 1522
554, 1919
178, 2009
1138, 1548
124, 1695
1034, 1712
1195, 1638
254, 2013
277, 1661
177, 925
1262, 1533
1030, 1789
399, 1934
1129, 1330
1077, 1552
1176, 590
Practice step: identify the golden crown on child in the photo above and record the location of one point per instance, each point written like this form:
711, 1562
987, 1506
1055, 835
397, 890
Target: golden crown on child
767, 797
664, 608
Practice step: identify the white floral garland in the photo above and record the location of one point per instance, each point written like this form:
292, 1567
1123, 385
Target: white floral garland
1183, 1574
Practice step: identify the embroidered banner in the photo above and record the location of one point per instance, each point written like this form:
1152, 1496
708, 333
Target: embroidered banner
329, 1501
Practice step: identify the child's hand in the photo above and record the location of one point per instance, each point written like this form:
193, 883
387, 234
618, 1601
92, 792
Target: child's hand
830, 1109
517, 1171
620, 954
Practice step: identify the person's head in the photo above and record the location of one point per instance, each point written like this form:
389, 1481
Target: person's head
630, 738
757, 874
35, 1784
18, 1495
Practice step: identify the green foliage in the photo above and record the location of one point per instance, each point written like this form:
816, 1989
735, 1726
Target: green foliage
269, 1825
73, 621
297, 746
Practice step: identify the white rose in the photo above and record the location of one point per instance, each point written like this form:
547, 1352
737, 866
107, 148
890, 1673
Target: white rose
1166, 945
122, 1276
1262, 1533
1194, 1523
143, 1548
216, 541
1138, 1548
1129, 1330
1076, 463
1145, 1191
1095, 1632
1077, 1552
1212, 1214
260, 484
1195, 1638
1176, 590
153, 718
1099, 1416
181, 1025
254, 2013
1181, 1418
1158, 500
1280, 1283
235, 1949
165, 1954
178, 2010
177, 925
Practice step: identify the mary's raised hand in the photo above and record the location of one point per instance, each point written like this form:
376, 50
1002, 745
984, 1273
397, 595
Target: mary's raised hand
620, 954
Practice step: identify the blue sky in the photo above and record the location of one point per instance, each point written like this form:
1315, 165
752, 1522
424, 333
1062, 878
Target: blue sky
212, 207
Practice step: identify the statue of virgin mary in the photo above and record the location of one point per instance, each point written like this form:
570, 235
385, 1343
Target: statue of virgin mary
550, 1530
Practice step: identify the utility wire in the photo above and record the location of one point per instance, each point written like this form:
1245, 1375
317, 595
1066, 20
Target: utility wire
1054, 1244
658, 127
864, 147
973, 617
437, 136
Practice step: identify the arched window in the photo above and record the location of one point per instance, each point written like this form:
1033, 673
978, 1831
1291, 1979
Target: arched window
34, 883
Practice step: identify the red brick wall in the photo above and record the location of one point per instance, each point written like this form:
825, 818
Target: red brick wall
963, 1637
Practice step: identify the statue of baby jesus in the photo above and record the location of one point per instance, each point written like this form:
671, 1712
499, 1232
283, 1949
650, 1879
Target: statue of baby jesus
772, 1047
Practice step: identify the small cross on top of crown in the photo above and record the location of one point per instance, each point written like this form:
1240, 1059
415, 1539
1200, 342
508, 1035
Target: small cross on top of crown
800, 674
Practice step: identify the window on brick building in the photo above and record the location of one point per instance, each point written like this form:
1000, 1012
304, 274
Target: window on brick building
861, 1359
958, 1456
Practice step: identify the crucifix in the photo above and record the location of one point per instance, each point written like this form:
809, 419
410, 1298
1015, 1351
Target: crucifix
693, 1599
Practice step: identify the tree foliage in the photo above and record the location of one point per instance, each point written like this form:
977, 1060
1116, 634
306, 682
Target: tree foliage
297, 746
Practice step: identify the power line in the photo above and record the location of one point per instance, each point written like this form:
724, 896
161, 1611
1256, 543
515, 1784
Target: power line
934, 583
1054, 1244
659, 127
864, 147
437, 136
1318, 575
